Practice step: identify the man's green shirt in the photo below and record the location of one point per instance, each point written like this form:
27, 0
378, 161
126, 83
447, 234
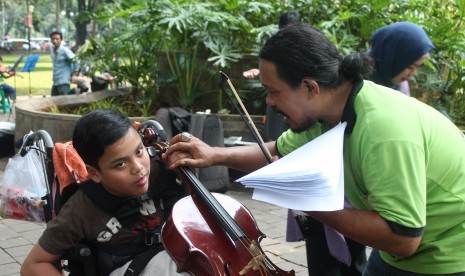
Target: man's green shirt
406, 161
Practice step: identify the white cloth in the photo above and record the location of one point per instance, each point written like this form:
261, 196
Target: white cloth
160, 265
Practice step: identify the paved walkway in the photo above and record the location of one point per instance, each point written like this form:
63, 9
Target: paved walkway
18, 237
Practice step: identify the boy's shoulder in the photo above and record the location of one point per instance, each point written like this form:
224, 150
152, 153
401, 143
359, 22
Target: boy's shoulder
78, 203
79, 219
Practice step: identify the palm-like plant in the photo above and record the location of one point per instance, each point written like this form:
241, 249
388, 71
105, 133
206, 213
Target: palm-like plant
198, 43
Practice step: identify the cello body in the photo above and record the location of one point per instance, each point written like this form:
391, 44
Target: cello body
198, 244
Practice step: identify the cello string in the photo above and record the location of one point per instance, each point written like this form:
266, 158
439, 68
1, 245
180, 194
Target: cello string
258, 259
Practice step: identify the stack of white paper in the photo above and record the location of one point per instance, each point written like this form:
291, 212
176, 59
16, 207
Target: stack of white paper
311, 178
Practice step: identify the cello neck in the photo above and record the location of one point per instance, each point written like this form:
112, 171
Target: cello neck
222, 216
150, 139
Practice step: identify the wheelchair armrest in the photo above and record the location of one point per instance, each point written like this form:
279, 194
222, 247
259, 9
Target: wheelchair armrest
78, 252
81, 260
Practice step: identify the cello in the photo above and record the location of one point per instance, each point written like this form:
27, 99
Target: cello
211, 234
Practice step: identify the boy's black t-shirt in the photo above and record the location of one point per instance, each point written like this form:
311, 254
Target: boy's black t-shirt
81, 220
110, 223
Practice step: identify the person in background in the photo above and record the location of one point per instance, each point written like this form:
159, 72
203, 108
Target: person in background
287, 18
82, 82
274, 122
5, 73
102, 81
319, 259
62, 59
398, 50
404, 162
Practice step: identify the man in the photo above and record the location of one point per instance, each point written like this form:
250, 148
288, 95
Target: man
62, 59
319, 259
404, 162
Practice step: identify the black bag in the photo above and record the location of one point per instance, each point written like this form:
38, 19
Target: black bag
7, 139
174, 120
180, 120
208, 128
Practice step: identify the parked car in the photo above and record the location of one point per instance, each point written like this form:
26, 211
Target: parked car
40, 40
43, 42
18, 44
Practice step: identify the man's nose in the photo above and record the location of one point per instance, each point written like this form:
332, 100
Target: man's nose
269, 100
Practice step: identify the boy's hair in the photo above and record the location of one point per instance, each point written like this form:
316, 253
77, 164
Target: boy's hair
96, 130
56, 33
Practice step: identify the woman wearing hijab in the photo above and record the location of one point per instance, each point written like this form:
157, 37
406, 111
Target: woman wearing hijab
398, 49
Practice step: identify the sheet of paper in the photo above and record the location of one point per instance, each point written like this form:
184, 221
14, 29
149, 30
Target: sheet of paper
311, 178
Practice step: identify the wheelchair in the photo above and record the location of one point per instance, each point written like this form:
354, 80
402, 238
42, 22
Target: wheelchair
81, 259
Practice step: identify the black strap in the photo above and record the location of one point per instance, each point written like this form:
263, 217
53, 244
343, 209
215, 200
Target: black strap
349, 115
139, 262
125, 209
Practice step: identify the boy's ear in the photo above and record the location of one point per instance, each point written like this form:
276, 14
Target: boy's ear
93, 174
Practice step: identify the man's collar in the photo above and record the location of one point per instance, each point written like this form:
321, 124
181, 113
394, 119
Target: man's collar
349, 115
56, 48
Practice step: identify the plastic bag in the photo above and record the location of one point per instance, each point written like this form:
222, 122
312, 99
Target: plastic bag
22, 188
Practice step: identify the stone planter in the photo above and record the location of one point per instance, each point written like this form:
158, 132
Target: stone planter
30, 116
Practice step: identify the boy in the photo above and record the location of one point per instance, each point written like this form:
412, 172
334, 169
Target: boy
115, 210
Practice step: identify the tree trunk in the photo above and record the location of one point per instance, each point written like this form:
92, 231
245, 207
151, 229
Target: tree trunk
81, 32
57, 15
81, 26
94, 22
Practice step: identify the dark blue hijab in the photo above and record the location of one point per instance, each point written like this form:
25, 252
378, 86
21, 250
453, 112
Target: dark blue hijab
396, 47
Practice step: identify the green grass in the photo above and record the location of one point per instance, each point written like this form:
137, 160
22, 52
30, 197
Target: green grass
40, 79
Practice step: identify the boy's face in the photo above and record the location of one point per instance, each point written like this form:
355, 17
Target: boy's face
124, 167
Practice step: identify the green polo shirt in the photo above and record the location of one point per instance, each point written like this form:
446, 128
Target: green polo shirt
406, 161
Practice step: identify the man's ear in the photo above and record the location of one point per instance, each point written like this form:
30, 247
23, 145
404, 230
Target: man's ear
311, 85
93, 174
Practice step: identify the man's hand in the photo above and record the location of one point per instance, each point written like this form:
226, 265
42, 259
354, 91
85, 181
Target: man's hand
193, 153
